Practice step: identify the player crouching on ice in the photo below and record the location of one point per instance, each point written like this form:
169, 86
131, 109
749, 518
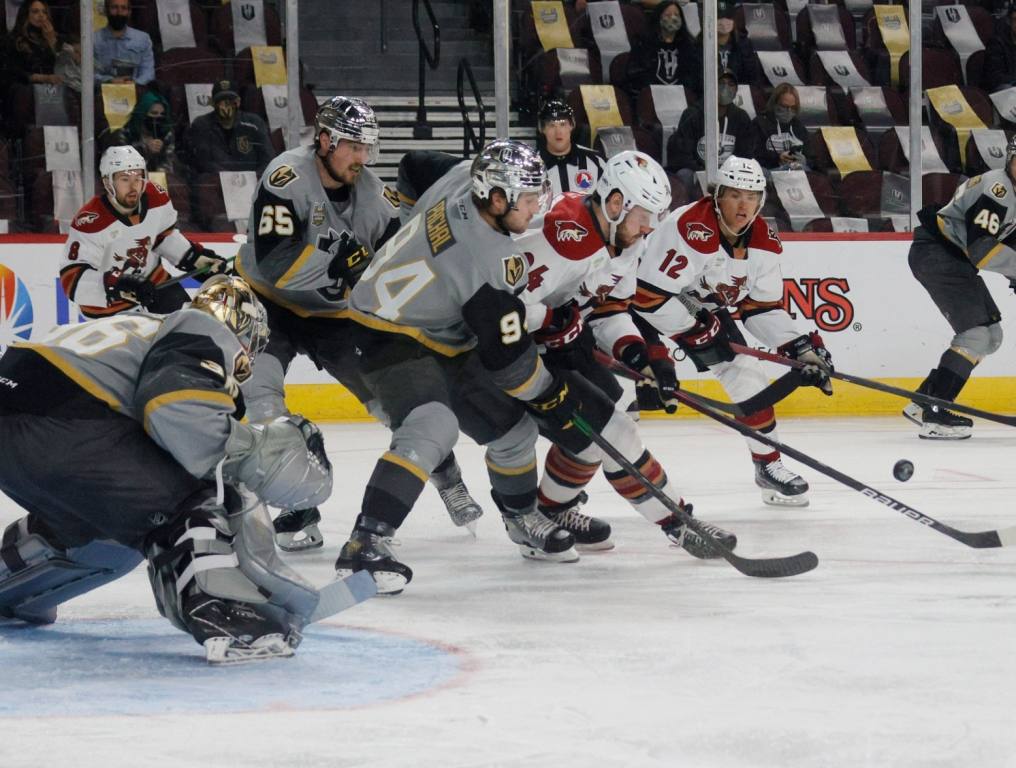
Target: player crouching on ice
123, 442
715, 257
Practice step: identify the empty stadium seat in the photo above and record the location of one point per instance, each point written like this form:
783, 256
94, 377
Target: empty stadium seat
189, 65
823, 160
767, 32
220, 28
825, 27
938, 188
146, 17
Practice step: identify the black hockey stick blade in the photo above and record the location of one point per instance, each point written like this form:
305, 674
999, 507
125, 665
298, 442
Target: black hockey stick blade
918, 397
1005, 537
776, 391
185, 275
772, 567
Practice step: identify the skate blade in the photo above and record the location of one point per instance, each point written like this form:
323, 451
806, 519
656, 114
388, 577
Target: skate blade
225, 651
388, 583
914, 414
471, 527
464, 521
777, 499
532, 553
309, 538
599, 546
938, 433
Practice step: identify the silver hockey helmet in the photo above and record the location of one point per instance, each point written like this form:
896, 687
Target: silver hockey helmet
231, 301
345, 117
511, 166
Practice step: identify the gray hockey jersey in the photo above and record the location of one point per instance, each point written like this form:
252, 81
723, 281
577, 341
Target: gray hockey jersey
297, 227
451, 281
980, 220
171, 373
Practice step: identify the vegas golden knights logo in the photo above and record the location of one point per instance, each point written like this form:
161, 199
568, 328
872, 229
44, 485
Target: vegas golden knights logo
514, 270
282, 176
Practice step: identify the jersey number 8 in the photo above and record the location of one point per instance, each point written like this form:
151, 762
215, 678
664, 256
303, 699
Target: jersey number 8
277, 219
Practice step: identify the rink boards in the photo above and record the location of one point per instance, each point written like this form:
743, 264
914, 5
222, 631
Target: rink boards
857, 289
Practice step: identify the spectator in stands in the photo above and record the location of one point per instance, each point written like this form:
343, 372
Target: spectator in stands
227, 139
780, 137
150, 131
570, 167
33, 45
1000, 56
668, 55
686, 147
68, 64
122, 54
735, 53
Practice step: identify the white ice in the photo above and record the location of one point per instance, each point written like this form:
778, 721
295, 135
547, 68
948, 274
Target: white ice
897, 651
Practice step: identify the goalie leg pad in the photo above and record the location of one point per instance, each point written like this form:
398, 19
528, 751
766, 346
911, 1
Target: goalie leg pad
36, 577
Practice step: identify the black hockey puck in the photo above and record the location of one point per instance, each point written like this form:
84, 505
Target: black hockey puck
903, 470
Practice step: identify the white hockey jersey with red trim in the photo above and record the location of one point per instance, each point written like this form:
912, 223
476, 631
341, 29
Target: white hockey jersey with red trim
103, 244
569, 261
685, 255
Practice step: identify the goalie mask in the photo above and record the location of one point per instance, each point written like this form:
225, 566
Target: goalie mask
744, 174
344, 117
514, 168
232, 302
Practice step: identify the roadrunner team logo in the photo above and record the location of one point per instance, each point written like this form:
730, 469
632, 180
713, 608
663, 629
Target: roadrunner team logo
696, 230
729, 294
570, 230
16, 314
514, 269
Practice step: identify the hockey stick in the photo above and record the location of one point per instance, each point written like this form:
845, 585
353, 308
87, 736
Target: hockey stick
341, 594
919, 397
778, 390
192, 273
772, 567
1006, 537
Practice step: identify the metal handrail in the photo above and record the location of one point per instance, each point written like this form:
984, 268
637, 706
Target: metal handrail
468, 134
421, 130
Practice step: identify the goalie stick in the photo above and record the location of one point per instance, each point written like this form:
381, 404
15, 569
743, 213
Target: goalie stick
769, 396
919, 397
338, 595
773, 567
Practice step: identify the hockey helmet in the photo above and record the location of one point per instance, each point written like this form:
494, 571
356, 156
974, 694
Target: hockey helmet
511, 166
641, 182
345, 117
231, 301
120, 158
740, 173
556, 109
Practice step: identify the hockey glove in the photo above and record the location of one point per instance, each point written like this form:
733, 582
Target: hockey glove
206, 262
350, 260
708, 342
556, 404
810, 349
562, 328
133, 288
657, 390
313, 437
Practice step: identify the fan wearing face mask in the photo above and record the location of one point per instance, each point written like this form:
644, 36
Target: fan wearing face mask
150, 131
781, 137
667, 54
734, 51
123, 54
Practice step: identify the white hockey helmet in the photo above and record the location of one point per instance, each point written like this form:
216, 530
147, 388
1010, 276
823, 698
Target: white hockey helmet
231, 301
640, 180
345, 117
120, 158
740, 173
511, 166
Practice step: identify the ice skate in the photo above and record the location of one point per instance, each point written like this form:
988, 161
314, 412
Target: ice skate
692, 541
938, 423
591, 534
780, 487
296, 530
366, 551
461, 506
234, 632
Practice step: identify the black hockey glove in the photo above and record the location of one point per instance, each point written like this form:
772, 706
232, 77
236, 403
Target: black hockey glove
351, 259
313, 437
810, 349
562, 329
707, 342
556, 404
133, 288
201, 258
657, 390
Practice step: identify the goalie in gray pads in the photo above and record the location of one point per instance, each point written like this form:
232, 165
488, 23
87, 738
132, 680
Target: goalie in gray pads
122, 441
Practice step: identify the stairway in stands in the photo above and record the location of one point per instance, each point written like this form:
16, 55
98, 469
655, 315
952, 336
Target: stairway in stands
340, 46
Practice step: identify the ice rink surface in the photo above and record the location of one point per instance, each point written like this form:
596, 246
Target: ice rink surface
899, 650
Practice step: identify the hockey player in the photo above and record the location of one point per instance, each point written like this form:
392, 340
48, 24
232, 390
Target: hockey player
582, 267
112, 259
319, 215
570, 167
123, 441
970, 233
723, 256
